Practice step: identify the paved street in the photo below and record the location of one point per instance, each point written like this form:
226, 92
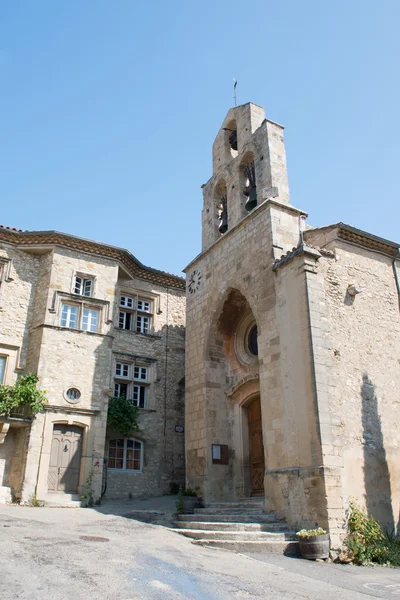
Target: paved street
60, 554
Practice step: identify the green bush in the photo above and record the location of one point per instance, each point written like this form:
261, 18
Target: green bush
189, 492
122, 416
367, 542
23, 393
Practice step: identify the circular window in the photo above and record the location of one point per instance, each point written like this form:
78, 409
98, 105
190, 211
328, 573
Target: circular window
73, 395
252, 341
246, 340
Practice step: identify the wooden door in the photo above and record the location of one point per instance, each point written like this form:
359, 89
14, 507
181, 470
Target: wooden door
65, 459
256, 448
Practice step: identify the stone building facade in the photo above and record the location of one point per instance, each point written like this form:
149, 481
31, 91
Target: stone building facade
292, 345
91, 322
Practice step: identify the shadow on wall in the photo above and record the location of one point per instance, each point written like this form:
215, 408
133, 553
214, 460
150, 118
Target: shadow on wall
378, 494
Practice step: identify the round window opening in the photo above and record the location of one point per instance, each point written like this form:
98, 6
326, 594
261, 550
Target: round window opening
73, 395
252, 341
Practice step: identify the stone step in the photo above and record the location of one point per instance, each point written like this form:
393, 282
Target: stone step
237, 536
211, 526
289, 548
243, 504
229, 518
214, 510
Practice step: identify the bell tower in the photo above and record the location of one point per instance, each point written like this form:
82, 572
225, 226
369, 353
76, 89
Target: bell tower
249, 166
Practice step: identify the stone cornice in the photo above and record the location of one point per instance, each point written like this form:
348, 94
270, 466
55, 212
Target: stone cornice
356, 236
36, 239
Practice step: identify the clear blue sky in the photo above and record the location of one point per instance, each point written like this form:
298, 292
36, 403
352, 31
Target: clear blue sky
108, 111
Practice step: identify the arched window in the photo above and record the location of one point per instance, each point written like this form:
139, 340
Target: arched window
248, 180
221, 201
125, 454
231, 138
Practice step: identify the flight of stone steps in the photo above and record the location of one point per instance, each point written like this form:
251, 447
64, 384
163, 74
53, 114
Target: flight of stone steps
241, 526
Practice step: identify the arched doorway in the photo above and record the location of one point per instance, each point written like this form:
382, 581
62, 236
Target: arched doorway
65, 458
256, 447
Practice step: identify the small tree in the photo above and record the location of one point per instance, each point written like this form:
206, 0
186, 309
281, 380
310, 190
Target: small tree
24, 392
122, 416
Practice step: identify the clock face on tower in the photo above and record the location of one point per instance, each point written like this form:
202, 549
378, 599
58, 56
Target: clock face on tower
194, 281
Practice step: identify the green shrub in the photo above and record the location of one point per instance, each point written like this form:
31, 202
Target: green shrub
122, 416
189, 492
23, 393
367, 542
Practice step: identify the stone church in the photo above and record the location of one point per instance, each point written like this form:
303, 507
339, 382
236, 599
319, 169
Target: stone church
292, 345
93, 323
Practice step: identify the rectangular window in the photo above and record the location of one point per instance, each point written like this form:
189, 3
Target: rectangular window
69, 316
122, 369
142, 324
125, 320
126, 301
83, 286
143, 305
2, 368
90, 319
126, 454
140, 373
121, 389
139, 396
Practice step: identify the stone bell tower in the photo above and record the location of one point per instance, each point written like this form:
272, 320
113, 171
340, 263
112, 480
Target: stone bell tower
249, 165
252, 424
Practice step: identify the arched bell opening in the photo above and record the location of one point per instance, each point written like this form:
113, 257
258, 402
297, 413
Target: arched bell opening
248, 183
231, 138
232, 360
221, 203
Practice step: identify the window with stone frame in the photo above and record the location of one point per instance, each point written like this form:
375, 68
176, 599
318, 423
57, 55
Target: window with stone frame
125, 454
80, 316
131, 380
83, 285
135, 313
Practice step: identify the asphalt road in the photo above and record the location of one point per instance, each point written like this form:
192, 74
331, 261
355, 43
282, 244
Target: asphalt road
84, 554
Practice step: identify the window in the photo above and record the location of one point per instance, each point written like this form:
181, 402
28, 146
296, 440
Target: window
122, 369
83, 286
79, 317
135, 319
142, 324
143, 305
132, 381
140, 373
2, 368
120, 389
90, 319
73, 394
126, 301
69, 316
125, 454
139, 396
125, 320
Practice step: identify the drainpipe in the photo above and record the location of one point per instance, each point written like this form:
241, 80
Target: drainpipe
396, 275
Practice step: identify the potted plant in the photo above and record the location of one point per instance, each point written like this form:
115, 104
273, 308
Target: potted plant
313, 543
188, 500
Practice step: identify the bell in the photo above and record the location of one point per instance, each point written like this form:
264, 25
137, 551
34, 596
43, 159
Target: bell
233, 140
251, 201
223, 225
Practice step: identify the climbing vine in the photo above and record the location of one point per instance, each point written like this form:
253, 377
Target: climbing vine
122, 416
24, 392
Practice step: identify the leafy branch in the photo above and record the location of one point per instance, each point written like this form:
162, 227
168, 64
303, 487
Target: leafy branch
24, 392
123, 416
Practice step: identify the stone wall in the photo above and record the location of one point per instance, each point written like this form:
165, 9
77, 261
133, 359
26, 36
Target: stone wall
364, 378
